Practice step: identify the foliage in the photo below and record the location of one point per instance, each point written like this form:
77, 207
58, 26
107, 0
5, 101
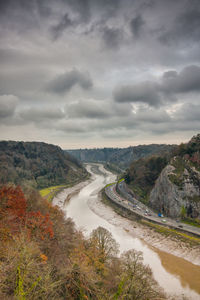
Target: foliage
50, 192
183, 212
166, 231
119, 158
142, 174
37, 165
106, 245
43, 256
138, 282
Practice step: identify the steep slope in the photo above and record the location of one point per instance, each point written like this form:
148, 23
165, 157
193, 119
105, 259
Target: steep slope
177, 190
37, 164
121, 157
142, 174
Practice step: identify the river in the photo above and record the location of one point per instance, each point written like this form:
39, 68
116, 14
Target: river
176, 275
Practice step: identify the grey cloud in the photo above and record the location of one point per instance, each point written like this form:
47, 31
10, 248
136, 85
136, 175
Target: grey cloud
136, 26
64, 83
161, 92
170, 74
89, 109
41, 114
8, 105
146, 92
156, 116
112, 37
29, 60
73, 126
22, 15
63, 24
188, 112
82, 7
185, 26
93, 109
188, 80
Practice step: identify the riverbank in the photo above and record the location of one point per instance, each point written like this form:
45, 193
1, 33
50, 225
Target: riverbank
50, 193
136, 229
64, 195
164, 242
176, 275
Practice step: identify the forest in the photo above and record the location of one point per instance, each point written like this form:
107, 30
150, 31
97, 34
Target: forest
43, 256
120, 158
37, 165
143, 173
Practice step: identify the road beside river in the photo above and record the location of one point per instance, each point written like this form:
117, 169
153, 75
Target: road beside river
176, 275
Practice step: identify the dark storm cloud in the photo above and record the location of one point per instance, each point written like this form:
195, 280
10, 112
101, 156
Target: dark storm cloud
8, 105
112, 37
161, 92
63, 24
146, 92
64, 83
82, 7
150, 54
90, 8
136, 26
185, 27
188, 80
23, 15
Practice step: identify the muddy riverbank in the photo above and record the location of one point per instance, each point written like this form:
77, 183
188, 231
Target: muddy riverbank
175, 268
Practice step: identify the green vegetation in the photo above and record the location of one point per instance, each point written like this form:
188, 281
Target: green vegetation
50, 192
120, 180
186, 163
113, 168
142, 174
183, 212
192, 240
38, 165
43, 256
109, 184
118, 159
193, 222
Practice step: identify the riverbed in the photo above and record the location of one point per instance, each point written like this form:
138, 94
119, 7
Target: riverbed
175, 275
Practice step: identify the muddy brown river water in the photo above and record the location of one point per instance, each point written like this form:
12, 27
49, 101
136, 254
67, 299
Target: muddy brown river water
175, 275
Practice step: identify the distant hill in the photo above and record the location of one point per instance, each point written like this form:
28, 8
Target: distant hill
119, 157
169, 183
37, 164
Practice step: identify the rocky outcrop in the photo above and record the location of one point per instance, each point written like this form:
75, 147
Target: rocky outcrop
177, 191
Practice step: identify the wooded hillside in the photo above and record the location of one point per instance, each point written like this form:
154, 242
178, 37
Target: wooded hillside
37, 164
120, 157
43, 256
182, 176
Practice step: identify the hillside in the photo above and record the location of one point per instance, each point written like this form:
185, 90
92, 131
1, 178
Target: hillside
37, 164
170, 184
43, 256
120, 157
177, 190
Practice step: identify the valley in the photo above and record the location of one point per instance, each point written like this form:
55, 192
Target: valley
88, 212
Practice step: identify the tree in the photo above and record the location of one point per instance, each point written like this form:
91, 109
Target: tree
105, 243
137, 282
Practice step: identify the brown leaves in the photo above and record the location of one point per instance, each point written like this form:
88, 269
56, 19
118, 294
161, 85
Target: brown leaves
14, 215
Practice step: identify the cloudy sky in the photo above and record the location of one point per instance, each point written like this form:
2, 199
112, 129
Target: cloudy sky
95, 73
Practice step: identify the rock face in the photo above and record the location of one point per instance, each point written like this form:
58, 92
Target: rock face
177, 190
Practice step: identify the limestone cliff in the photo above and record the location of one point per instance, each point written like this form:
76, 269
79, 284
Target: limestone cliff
177, 189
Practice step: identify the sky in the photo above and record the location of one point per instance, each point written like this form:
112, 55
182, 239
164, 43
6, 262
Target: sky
99, 73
